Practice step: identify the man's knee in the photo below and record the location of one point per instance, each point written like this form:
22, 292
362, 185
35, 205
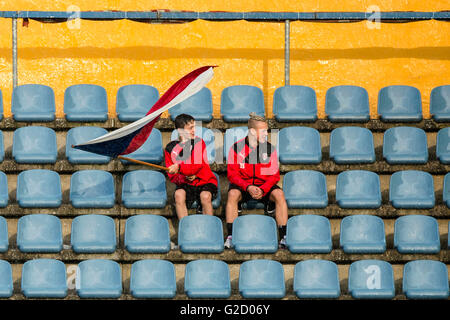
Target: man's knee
205, 196
277, 195
234, 195
180, 196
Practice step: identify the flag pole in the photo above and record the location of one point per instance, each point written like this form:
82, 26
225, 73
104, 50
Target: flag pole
144, 163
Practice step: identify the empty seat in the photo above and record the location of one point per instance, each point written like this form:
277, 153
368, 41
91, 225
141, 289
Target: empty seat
347, 104
362, 234
294, 104
153, 278
80, 135
262, 279
133, 101
39, 233
352, 145
44, 278
308, 234
2, 147
406, 145
416, 234
440, 103
446, 190
199, 106
93, 233
255, 233
37, 188
200, 234
400, 103
151, 151
299, 145
92, 189
443, 145
208, 137
216, 201
305, 189
33, 102
6, 281
233, 135
147, 233
412, 189
144, 189
85, 102
425, 279
34, 144
316, 279
358, 189
237, 102
4, 241
207, 278
371, 279
4, 195
99, 278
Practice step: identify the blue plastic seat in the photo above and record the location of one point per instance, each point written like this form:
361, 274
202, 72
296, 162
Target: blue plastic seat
147, 233
416, 234
299, 145
425, 279
446, 190
216, 201
133, 101
144, 189
294, 104
200, 233
358, 189
44, 278
440, 103
371, 279
309, 234
4, 241
80, 135
33, 102
34, 144
2, 147
39, 188
199, 106
412, 189
347, 104
151, 151
405, 145
153, 278
85, 102
92, 189
400, 103
316, 279
4, 195
39, 233
352, 145
208, 137
362, 234
253, 233
99, 278
443, 145
233, 135
305, 189
207, 278
93, 233
262, 279
237, 102
6, 281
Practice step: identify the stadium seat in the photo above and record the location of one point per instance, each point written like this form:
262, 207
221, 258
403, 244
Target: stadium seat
425, 279
316, 279
253, 233
4, 195
362, 234
33, 102
405, 145
233, 135
347, 104
39, 233
200, 233
2, 147
92, 189
199, 106
144, 189
237, 102
400, 104
371, 279
446, 190
39, 188
207, 278
6, 281
305, 189
85, 102
416, 234
352, 145
440, 103
412, 189
99, 278
80, 135
4, 241
295, 104
34, 144
93, 233
133, 101
261, 278
208, 137
216, 200
147, 233
153, 278
151, 151
308, 233
44, 278
443, 145
298, 145
357, 189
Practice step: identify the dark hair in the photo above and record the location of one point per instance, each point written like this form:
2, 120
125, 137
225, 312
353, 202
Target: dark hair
182, 119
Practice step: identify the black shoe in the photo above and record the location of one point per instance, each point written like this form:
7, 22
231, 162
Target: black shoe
239, 207
199, 209
269, 208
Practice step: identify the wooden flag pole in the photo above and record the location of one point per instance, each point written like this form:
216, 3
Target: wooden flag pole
144, 163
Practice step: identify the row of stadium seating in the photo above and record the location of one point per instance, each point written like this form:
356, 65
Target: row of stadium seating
88, 102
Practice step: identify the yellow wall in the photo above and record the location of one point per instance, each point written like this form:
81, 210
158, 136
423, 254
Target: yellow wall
323, 55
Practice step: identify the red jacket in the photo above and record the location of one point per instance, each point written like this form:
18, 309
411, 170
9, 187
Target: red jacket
247, 166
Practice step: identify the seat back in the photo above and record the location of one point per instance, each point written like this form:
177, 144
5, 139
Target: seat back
347, 103
352, 145
85, 102
34, 144
39, 233
400, 103
299, 145
80, 135
207, 278
363, 234
416, 234
440, 103
237, 102
133, 101
199, 106
33, 102
93, 233
405, 145
200, 234
358, 189
262, 278
152, 278
308, 234
295, 103
255, 233
147, 233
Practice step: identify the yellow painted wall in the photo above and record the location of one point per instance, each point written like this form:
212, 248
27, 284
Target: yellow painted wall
116, 53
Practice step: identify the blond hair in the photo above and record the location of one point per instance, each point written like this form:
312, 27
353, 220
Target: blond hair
255, 118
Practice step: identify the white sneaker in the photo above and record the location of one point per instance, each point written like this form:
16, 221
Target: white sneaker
228, 244
282, 244
173, 246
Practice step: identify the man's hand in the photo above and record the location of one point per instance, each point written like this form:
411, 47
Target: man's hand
191, 178
255, 192
173, 169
